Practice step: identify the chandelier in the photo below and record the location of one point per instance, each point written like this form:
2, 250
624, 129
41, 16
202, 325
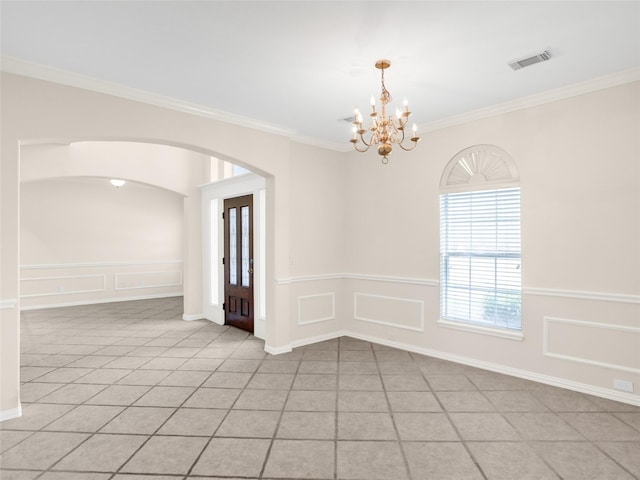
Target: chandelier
383, 131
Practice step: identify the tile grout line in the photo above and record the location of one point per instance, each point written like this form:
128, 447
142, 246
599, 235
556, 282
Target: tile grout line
97, 432
392, 415
91, 435
228, 410
462, 441
337, 413
524, 440
206, 444
282, 410
149, 436
73, 322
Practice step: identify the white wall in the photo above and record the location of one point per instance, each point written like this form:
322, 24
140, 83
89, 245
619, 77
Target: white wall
171, 168
580, 182
318, 239
84, 241
350, 240
168, 168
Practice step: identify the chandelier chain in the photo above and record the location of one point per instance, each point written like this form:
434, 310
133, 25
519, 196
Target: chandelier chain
385, 96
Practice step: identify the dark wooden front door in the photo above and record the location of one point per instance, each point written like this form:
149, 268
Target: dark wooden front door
238, 262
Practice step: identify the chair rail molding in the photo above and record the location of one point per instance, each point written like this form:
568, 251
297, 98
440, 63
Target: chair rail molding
358, 276
124, 263
583, 295
8, 303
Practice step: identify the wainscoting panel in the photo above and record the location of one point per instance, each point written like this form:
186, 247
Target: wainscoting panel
592, 343
62, 285
49, 285
395, 312
316, 308
135, 280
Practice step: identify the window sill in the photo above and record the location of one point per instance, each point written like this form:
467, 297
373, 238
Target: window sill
495, 332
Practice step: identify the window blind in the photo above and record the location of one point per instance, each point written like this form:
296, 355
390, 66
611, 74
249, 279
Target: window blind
480, 257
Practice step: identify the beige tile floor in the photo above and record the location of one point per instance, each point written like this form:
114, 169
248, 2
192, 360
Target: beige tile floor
129, 391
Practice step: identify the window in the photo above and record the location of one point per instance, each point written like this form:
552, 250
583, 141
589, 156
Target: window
480, 257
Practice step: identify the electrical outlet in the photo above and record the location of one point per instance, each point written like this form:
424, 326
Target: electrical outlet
60, 288
623, 385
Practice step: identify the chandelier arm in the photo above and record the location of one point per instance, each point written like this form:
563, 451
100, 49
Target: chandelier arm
401, 142
369, 143
361, 150
408, 149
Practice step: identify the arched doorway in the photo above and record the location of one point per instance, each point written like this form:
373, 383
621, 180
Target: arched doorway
36, 110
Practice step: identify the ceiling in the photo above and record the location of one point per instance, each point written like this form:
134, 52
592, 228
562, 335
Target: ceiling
304, 65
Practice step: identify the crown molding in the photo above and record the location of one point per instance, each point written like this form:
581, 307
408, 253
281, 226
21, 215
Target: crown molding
18, 66
51, 74
600, 83
342, 147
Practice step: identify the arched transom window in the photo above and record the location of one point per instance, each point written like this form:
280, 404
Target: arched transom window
480, 261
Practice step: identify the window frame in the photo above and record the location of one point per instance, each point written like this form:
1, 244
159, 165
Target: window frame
477, 265
475, 169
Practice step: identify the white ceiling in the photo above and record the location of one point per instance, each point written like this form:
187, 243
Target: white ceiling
303, 65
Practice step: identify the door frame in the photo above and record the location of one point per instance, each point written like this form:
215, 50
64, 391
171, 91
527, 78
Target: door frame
213, 246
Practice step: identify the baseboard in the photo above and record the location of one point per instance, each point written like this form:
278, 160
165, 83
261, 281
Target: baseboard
11, 413
302, 342
493, 367
213, 320
260, 328
318, 338
189, 317
277, 350
102, 300
514, 372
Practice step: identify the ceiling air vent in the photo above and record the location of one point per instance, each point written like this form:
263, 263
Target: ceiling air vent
525, 62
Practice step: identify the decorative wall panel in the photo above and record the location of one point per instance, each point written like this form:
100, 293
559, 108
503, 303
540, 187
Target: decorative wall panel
316, 308
600, 344
391, 311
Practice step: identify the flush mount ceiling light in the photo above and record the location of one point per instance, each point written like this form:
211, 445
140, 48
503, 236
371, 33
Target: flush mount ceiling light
117, 182
383, 130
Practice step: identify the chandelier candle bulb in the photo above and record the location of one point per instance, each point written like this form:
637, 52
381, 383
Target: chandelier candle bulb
384, 130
